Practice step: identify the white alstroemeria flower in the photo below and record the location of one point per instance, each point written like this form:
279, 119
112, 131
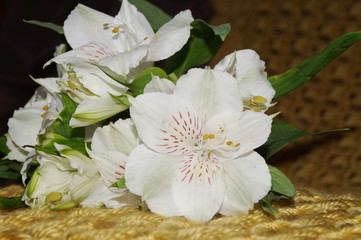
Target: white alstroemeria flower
123, 42
246, 66
111, 146
91, 88
71, 179
30, 121
197, 158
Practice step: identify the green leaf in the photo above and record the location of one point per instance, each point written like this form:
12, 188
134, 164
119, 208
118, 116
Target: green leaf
303, 72
281, 135
155, 16
119, 184
10, 169
11, 203
57, 28
138, 84
267, 207
280, 183
203, 44
3, 147
69, 108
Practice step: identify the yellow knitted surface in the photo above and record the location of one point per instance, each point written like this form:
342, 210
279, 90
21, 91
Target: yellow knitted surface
310, 215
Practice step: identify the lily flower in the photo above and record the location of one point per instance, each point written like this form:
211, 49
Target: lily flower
30, 121
198, 154
249, 71
123, 42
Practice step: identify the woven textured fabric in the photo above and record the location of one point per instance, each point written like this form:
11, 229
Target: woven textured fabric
285, 33
311, 215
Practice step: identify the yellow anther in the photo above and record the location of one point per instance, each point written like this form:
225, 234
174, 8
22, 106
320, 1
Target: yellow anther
229, 143
212, 136
72, 85
205, 137
259, 99
106, 25
43, 115
115, 29
255, 109
145, 38
53, 197
209, 154
237, 145
46, 107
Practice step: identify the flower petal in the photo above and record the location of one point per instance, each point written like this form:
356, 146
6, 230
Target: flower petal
123, 62
239, 133
85, 25
199, 189
101, 195
158, 84
135, 28
249, 71
248, 180
171, 37
96, 80
95, 109
165, 124
211, 92
90, 52
150, 175
26, 122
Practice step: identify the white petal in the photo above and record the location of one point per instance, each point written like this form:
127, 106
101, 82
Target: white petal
124, 61
95, 109
165, 124
158, 84
134, 30
151, 175
50, 84
85, 25
77, 160
211, 92
90, 52
101, 195
245, 130
249, 71
199, 189
120, 136
110, 164
16, 153
247, 181
171, 37
26, 122
96, 80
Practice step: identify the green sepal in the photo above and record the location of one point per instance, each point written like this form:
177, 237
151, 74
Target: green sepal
202, 46
281, 135
119, 184
303, 72
66, 206
155, 16
138, 84
121, 100
281, 184
281, 188
57, 28
11, 203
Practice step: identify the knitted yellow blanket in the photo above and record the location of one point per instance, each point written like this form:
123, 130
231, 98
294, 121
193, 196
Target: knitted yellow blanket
310, 215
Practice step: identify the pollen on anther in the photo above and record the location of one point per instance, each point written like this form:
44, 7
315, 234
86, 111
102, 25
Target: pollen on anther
106, 25
229, 143
237, 145
115, 29
205, 136
212, 136
46, 107
43, 115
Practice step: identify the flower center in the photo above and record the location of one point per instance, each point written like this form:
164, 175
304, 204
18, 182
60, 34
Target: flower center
256, 104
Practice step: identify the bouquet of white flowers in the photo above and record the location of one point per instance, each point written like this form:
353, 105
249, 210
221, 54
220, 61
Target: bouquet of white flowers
117, 128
